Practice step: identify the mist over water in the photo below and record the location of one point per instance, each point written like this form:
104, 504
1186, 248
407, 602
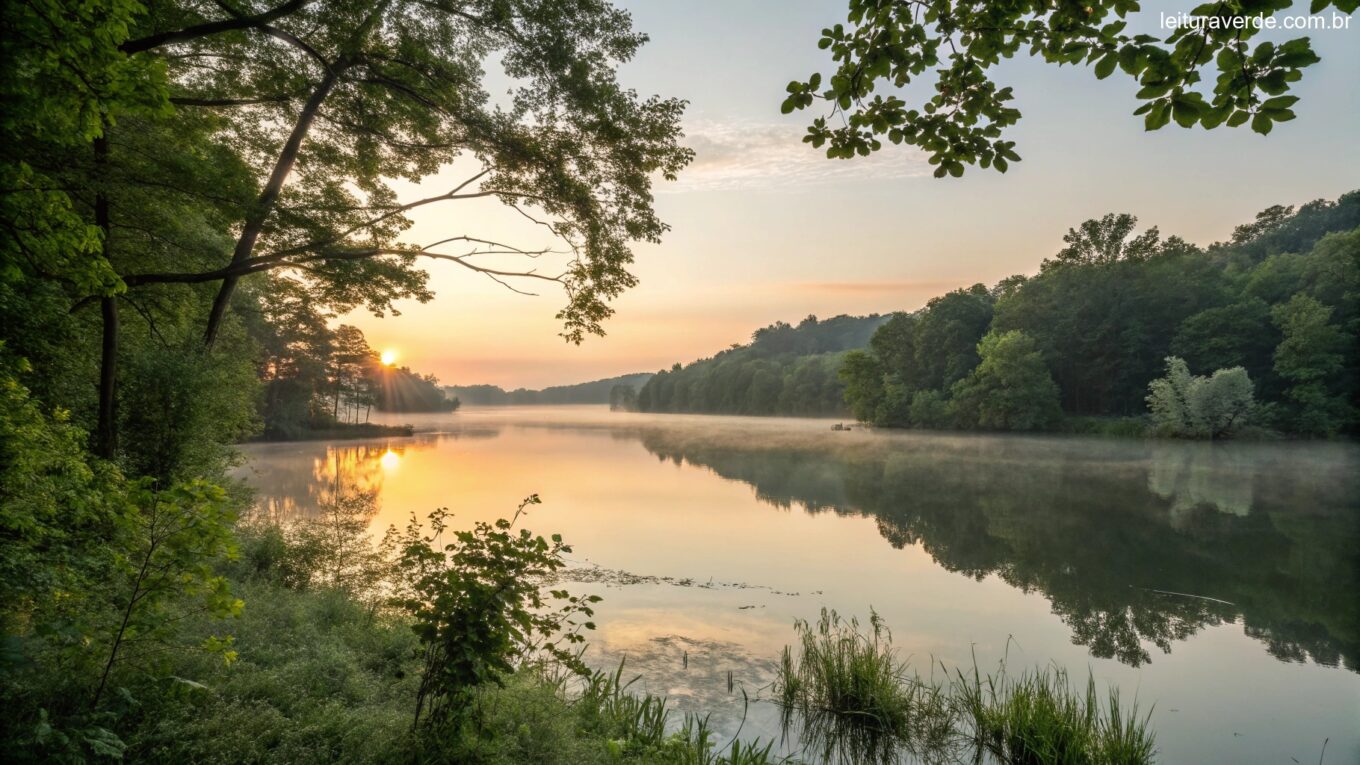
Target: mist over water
1219, 582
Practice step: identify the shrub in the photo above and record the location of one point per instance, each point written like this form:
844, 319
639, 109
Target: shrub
1200, 407
478, 608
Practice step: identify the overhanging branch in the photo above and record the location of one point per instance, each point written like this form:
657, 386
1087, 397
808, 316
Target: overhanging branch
196, 31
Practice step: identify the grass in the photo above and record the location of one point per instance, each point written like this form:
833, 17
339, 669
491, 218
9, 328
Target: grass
322, 678
1039, 717
852, 699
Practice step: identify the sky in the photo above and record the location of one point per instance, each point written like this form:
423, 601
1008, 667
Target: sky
765, 228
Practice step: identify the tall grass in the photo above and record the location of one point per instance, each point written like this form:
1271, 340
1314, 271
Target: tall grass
1039, 716
852, 699
634, 727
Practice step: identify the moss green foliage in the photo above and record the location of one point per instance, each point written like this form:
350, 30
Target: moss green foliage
322, 675
1207, 75
1204, 407
1312, 358
854, 700
1269, 318
785, 369
1009, 389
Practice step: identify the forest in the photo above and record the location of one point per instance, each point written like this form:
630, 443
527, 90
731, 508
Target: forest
1120, 331
593, 392
1258, 331
785, 369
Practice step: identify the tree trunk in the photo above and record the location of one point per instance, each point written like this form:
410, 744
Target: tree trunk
255, 221
106, 432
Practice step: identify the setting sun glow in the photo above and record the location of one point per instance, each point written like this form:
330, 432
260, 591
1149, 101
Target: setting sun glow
389, 357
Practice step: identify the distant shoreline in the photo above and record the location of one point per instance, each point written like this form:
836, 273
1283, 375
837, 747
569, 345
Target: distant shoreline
339, 432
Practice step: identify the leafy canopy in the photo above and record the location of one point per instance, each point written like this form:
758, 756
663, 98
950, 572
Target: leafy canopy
1205, 74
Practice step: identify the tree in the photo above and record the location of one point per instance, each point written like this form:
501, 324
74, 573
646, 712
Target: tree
954, 47
1236, 335
946, 337
623, 398
339, 99
350, 363
930, 409
202, 172
1107, 241
1310, 359
784, 370
1010, 389
1200, 407
1104, 315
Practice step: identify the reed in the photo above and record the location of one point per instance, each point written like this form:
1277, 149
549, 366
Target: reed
635, 727
852, 699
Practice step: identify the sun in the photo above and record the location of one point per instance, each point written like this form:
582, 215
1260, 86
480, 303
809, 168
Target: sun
388, 357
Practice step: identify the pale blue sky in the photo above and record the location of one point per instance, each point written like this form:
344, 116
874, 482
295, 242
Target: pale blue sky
765, 228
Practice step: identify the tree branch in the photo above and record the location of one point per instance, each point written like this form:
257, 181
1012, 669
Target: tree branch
196, 31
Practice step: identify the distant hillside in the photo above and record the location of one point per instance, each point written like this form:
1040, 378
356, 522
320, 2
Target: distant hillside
593, 392
784, 370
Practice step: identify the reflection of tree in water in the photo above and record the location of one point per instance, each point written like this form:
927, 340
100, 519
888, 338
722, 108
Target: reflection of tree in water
295, 483
1220, 478
333, 471
1135, 545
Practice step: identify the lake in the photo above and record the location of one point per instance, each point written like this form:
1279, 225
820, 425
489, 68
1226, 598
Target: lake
1217, 583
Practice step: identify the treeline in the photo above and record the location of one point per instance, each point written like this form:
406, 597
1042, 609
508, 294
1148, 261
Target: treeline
317, 379
785, 370
593, 392
1259, 330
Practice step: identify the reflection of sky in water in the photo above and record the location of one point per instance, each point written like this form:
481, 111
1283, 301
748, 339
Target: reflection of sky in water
1181, 572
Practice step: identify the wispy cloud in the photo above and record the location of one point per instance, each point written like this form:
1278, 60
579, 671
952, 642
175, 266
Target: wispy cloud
750, 155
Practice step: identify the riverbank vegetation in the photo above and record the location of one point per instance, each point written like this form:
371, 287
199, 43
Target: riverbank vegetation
853, 699
343, 654
1121, 332
325, 383
785, 369
1267, 323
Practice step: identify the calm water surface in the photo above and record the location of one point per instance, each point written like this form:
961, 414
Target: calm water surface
1220, 582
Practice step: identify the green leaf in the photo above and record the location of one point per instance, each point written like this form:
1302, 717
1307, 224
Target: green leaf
1105, 67
1157, 117
1156, 90
1279, 103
